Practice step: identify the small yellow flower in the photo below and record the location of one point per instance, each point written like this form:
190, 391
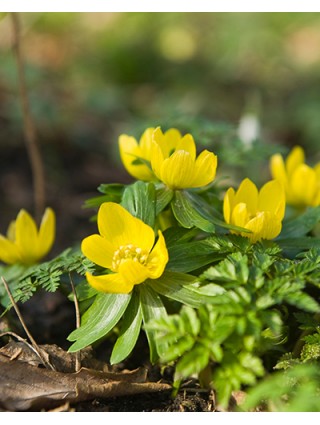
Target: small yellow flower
136, 156
174, 162
126, 246
301, 182
261, 212
25, 244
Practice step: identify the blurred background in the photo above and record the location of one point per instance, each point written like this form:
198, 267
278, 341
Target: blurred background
245, 85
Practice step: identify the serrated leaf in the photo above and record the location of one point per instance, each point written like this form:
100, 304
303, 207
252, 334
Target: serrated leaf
193, 362
99, 319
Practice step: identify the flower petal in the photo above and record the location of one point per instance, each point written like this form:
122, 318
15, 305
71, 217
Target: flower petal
157, 159
129, 153
27, 237
158, 258
46, 232
278, 170
228, 204
168, 141
304, 185
240, 216
9, 252
146, 143
248, 193
120, 228
99, 250
133, 272
264, 226
294, 159
111, 283
205, 169
272, 198
177, 171
186, 143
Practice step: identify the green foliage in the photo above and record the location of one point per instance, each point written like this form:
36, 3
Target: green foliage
225, 340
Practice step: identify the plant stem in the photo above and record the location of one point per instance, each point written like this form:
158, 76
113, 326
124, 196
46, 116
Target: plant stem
77, 310
32, 340
29, 128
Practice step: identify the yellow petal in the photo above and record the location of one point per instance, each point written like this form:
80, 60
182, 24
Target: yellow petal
264, 226
278, 170
129, 153
111, 283
133, 272
272, 198
205, 169
120, 228
228, 204
239, 216
27, 237
294, 159
99, 250
47, 232
248, 194
146, 143
168, 141
177, 171
186, 143
11, 232
9, 252
304, 185
158, 258
157, 159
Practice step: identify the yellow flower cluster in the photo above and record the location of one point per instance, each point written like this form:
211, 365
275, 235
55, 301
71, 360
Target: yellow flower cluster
167, 157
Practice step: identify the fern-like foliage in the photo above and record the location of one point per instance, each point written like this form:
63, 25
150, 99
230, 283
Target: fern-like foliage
24, 282
225, 341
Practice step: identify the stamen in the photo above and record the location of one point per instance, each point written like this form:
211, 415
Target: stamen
129, 252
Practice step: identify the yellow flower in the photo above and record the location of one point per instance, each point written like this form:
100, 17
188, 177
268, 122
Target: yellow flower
260, 212
174, 162
136, 156
301, 182
25, 244
126, 247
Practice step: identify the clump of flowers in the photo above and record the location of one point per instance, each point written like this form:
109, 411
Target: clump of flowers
174, 160
300, 181
24, 243
260, 212
167, 157
126, 247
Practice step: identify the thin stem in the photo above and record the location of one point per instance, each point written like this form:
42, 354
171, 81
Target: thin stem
29, 128
77, 310
32, 340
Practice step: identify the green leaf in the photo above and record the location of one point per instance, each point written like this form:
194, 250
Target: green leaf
187, 215
193, 362
174, 285
129, 331
111, 193
185, 257
152, 308
300, 225
163, 197
99, 319
140, 200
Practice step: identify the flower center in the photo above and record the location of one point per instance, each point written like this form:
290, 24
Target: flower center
128, 252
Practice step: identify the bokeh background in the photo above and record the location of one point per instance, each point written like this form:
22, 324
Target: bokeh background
245, 85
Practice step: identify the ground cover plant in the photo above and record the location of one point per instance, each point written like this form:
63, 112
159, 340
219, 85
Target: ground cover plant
224, 283
207, 283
